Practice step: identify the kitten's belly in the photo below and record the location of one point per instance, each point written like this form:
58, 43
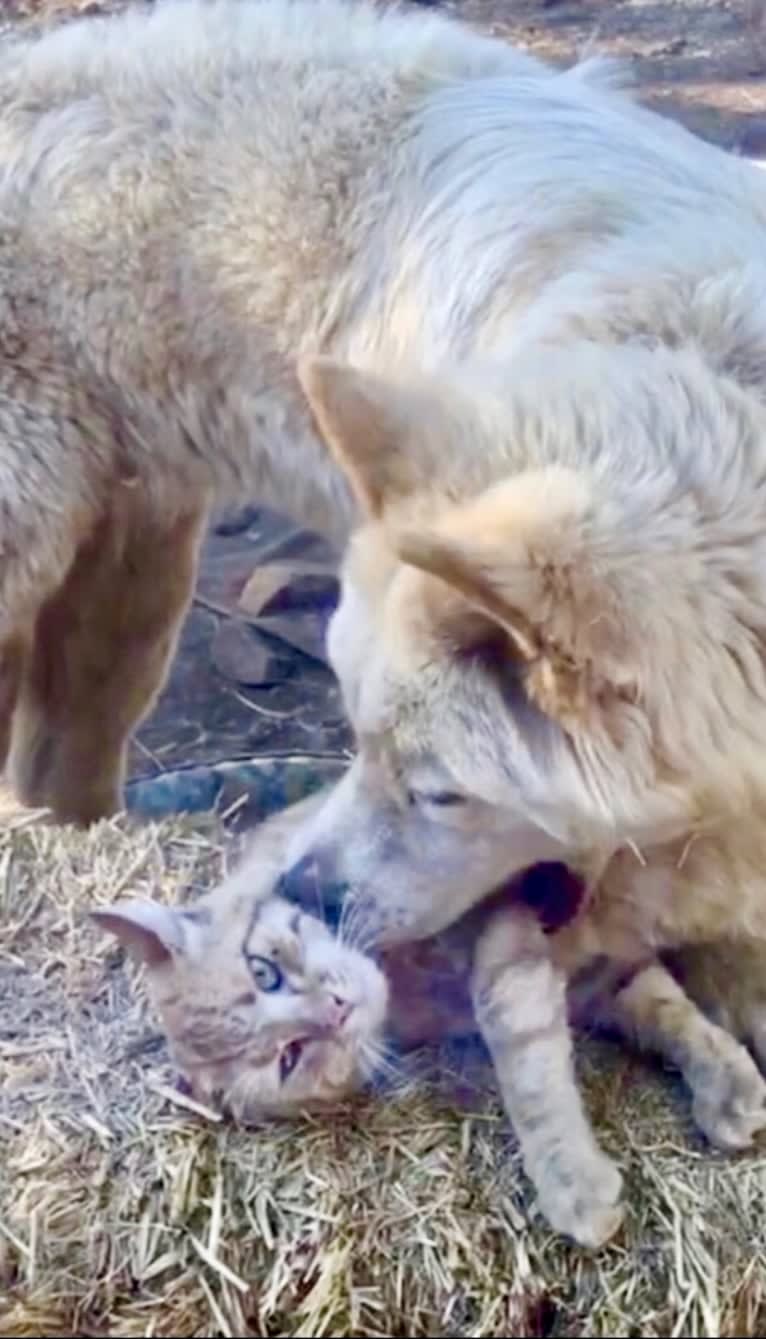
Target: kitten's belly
430, 981
430, 997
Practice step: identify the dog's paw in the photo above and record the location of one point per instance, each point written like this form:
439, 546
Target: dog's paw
730, 1103
581, 1200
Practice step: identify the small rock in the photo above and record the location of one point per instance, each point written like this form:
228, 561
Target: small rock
192, 790
276, 587
309, 591
243, 657
306, 632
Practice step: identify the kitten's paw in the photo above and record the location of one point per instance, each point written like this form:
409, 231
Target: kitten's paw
730, 1104
581, 1199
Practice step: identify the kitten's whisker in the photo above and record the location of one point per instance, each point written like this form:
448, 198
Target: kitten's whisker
365, 943
378, 1061
340, 928
321, 909
349, 923
354, 930
344, 918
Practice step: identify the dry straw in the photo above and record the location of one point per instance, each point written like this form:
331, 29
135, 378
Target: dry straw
126, 1211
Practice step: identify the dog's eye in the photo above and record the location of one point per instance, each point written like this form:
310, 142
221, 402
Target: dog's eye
439, 799
289, 1059
266, 974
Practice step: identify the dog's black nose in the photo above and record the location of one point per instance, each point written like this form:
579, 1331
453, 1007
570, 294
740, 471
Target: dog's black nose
313, 885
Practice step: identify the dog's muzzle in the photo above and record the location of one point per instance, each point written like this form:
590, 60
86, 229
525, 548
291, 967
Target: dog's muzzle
314, 885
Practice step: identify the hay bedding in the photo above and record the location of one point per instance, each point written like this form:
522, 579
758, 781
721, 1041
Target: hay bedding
125, 1212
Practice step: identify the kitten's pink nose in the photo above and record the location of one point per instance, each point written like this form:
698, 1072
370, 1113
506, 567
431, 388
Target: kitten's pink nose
338, 1010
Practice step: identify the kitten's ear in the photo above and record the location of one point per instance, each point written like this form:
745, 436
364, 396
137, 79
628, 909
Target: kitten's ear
151, 932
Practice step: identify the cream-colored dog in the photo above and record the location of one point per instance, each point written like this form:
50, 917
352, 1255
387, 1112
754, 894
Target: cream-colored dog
565, 664
552, 635
191, 197
558, 653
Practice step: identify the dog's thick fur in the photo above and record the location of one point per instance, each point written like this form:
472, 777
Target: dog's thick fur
190, 199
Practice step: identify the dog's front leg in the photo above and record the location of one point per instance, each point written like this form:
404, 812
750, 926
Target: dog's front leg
520, 1003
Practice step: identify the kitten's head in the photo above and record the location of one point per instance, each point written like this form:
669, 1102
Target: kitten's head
266, 1012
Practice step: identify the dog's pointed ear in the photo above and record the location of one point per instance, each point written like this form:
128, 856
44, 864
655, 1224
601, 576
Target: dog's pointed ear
522, 560
473, 575
152, 933
365, 422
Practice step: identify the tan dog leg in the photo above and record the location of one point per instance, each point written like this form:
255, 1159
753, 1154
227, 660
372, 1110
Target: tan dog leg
729, 1094
102, 646
11, 666
520, 1004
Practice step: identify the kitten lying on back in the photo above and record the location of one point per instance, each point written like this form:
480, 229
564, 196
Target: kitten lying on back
268, 1013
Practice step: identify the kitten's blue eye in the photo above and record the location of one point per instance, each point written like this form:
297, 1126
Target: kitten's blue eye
266, 974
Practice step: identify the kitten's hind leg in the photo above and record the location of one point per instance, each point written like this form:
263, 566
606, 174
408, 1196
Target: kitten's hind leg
727, 979
520, 1002
728, 1092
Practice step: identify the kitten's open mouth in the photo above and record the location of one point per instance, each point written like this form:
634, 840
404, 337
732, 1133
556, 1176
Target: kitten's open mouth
295, 1050
291, 1056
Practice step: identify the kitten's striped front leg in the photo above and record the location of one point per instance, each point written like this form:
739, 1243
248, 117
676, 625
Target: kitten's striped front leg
520, 1003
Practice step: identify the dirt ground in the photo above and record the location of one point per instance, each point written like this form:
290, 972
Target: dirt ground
703, 61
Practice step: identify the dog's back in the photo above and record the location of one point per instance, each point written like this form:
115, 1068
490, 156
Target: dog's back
193, 195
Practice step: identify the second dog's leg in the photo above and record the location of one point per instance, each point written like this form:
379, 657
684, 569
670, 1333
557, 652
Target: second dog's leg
11, 668
520, 1003
102, 646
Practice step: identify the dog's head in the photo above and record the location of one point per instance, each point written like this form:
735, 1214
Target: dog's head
503, 652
